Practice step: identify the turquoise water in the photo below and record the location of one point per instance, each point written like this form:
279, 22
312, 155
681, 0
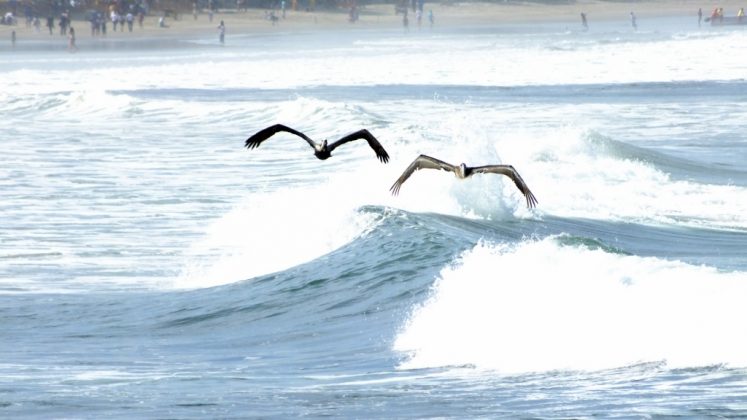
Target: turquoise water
150, 266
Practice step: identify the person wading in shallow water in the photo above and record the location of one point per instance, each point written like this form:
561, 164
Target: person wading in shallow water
222, 32
71, 40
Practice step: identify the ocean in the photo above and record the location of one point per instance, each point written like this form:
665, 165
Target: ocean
153, 267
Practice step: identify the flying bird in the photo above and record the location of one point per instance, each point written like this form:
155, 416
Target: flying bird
322, 150
463, 171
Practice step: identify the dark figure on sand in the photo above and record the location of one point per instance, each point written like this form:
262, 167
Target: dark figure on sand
71, 41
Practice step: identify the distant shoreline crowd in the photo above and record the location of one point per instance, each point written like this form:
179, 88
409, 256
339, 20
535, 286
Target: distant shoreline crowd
112, 16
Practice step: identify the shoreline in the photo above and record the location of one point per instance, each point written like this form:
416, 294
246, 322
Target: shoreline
375, 16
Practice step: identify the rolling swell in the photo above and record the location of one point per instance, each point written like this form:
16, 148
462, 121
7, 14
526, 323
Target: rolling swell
561, 93
331, 323
696, 246
680, 168
367, 273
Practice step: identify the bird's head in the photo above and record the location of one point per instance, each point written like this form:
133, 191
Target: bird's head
324, 144
461, 171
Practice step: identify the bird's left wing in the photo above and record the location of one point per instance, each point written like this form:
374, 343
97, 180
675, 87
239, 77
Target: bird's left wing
363, 134
510, 172
422, 161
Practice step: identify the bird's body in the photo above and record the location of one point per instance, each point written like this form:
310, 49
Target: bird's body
463, 171
322, 150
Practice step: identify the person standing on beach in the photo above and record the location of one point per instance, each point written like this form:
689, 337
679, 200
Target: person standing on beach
94, 25
64, 22
584, 23
222, 32
50, 24
115, 19
13, 39
633, 21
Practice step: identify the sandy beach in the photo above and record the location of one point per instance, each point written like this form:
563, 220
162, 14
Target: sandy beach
380, 16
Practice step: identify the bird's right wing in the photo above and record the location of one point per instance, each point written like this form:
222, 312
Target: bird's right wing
420, 162
363, 134
264, 134
512, 173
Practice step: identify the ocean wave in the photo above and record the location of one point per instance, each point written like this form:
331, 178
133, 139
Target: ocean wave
273, 231
65, 105
582, 308
678, 167
579, 173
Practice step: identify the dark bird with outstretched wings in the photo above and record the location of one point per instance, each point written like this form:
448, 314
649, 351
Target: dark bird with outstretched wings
322, 150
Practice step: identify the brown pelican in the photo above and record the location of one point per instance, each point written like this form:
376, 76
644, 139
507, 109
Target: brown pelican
463, 171
321, 150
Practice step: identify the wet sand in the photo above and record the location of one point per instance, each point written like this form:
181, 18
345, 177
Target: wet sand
380, 16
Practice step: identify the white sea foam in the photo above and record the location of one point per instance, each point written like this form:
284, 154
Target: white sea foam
486, 59
104, 376
538, 306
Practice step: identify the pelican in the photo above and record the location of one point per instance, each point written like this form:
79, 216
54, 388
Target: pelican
463, 171
321, 150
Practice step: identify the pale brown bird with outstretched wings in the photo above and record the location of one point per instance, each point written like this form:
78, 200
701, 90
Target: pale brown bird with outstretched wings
463, 171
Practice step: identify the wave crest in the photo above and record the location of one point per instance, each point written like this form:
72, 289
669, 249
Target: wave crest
540, 305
